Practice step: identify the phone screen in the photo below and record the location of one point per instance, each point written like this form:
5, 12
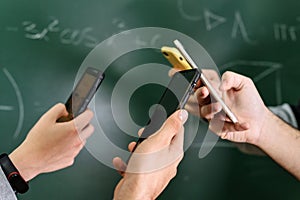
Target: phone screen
83, 93
174, 97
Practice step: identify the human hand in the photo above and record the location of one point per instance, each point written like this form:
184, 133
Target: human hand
244, 100
50, 146
154, 162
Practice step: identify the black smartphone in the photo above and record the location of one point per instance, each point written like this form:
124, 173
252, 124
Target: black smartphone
83, 93
174, 97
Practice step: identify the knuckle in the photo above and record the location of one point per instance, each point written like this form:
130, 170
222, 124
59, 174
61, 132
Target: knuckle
227, 74
174, 172
70, 162
77, 150
72, 130
79, 143
248, 80
180, 156
174, 124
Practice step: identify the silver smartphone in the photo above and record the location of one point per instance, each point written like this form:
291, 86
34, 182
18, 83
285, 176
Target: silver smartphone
205, 81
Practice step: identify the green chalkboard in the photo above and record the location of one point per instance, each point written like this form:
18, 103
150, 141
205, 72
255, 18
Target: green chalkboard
43, 45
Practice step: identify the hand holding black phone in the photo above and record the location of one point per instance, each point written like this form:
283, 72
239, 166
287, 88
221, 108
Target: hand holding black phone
174, 97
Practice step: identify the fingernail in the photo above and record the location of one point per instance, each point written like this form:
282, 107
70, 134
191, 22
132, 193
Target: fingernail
183, 115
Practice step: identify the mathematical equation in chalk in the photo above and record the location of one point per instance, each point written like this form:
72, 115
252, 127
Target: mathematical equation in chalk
74, 37
282, 32
68, 36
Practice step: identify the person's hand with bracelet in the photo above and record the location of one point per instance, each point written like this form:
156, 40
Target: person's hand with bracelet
51, 145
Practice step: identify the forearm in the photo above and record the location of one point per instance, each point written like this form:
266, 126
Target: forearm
132, 189
282, 143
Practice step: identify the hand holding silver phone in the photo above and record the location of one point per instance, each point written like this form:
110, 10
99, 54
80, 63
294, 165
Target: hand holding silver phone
206, 82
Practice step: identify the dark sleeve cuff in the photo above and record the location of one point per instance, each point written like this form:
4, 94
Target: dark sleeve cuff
296, 111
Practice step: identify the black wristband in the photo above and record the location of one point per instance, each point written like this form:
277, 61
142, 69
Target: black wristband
13, 176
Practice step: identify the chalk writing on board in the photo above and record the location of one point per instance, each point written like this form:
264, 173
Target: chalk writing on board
69, 36
280, 31
6, 108
20, 103
238, 24
65, 35
140, 42
185, 14
120, 25
212, 20
152, 42
11, 28
284, 32
32, 32
154, 39
270, 67
77, 37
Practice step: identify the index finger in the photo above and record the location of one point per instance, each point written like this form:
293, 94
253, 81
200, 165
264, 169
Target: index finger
55, 112
231, 80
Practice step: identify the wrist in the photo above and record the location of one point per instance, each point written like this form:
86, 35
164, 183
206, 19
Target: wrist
269, 123
134, 189
12, 174
23, 164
